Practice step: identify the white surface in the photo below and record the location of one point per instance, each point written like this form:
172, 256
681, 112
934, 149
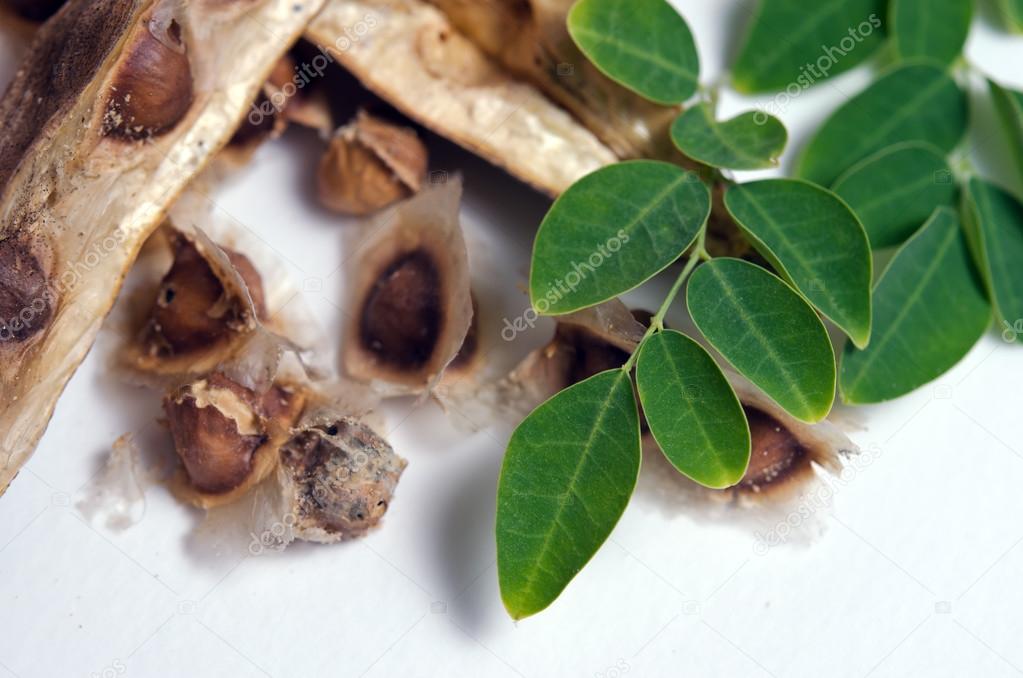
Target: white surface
914, 571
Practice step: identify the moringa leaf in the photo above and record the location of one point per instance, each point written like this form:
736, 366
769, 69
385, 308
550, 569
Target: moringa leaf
894, 191
692, 411
995, 218
567, 476
767, 332
932, 30
1012, 14
929, 310
793, 42
753, 140
815, 241
913, 102
1009, 105
644, 45
612, 230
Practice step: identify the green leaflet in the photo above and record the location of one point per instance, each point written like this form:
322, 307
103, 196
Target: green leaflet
815, 241
568, 473
644, 45
753, 140
693, 413
995, 218
929, 310
611, 231
1012, 14
767, 332
930, 29
1009, 105
913, 102
794, 42
894, 191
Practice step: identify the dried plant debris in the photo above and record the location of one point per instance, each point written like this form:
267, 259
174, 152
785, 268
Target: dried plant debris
409, 294
116, 497
370, 164
117, 106
531, 40
409, 53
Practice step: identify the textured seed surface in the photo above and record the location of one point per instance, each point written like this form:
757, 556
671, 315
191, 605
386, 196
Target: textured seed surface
26, 300
776, 452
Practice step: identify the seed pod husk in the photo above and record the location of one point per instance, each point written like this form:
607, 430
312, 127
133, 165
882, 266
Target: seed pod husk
93, 186
409, 53
370, 164
409, 294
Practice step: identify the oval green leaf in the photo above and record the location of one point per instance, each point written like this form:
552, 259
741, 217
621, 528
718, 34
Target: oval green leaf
996, 220
815, 241
929, 310
613, 230
913, 102
894, 191
792, 42
1012, 14
693, 413
1009, 105
750, 141
567, 476
644, 45
933, 30
767, 332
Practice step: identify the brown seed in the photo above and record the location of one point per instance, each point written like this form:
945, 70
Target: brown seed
342, 478
369, 165
26, 298
191, 310
216, 430
402, 315
152, 88
776, 453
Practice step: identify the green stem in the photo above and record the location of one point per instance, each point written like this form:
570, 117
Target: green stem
698, 254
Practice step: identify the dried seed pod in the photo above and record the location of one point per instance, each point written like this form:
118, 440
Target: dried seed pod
530, 39
152, 88
337, 478
27, 295
408, 53
370, 164
410, 293
94, 199
227, 436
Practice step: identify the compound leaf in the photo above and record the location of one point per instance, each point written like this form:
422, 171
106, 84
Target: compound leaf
995, 217
933, 30
750, 141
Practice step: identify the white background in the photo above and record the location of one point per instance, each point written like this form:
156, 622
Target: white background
913, 572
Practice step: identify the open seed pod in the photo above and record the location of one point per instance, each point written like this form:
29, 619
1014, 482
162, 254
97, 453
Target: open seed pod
336, 477
370, 164
227, 436
408, 53
118, 104
409, 300
530, 39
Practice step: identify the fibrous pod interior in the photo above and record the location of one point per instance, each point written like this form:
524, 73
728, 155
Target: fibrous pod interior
409, 53
117, 106
370, 164
409, 294
227, 436
337, 478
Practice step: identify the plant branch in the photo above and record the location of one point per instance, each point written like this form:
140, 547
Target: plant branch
697, 255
